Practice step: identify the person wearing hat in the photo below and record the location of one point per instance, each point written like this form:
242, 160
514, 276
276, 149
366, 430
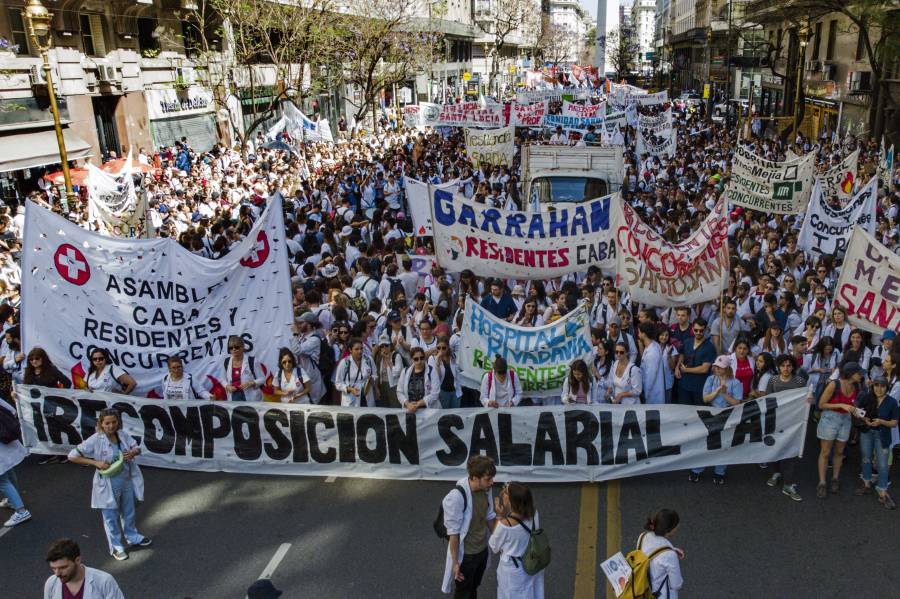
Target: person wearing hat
721, 390
388, 368
880, 413
886, 346
263, 589
838, 404
518, 297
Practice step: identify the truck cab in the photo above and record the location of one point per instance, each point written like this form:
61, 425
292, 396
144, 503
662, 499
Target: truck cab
563, 174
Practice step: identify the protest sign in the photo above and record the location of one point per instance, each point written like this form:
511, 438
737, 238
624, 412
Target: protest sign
869, 284
527, 115
492, 146
540, 356
571, 122
114, 207
522, 245
651, 99
768, 186
826, 229
552, 95
418, 196
412, 116
659, 273
615, 120
146, 299
301, 127
618, 572
464, 114
659, 144
421, 264
584, 110
838, 181
538, 444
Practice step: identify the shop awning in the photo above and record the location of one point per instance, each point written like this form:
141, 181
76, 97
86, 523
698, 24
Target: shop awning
27, 150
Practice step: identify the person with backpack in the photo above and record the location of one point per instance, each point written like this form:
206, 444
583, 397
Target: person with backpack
517, 522
309, 347
655, 562
466, 519
292, 383
177, 385
12, 452
500, 386
354, 377
240, 373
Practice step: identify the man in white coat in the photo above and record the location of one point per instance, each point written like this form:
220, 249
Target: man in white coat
653, 376
64, 559
469, 518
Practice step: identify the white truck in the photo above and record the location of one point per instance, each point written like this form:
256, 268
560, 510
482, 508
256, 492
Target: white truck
561, 174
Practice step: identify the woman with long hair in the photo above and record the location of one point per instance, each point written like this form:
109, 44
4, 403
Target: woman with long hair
41, 371
879, 416
579, 387
292, 385
418, 386
103, 375
825, 359
787, 302
625, 378
838, 329
764, 370
838, 403
773, 341
742, 364
528, 316
665, 570
516, 518
857, 345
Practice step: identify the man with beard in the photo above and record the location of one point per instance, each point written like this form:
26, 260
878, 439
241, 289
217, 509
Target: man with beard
71, 579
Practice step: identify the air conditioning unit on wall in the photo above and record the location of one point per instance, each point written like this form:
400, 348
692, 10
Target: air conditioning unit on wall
106, 73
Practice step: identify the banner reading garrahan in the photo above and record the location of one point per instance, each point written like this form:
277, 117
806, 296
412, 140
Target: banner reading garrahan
146, 299
417, 195
536, 444
869, 285
522, 245
490, 146
826, 230
767, 186
658, 273
540, 356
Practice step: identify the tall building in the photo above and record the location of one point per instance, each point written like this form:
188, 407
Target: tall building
569, 16
607, 21
643, 19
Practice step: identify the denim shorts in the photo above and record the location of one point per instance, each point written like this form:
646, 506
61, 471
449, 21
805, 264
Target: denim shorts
834, 426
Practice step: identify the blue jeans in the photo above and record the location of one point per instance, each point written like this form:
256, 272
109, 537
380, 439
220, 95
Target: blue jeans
9, 486
869, 443
717, 470
114, 518
449, 400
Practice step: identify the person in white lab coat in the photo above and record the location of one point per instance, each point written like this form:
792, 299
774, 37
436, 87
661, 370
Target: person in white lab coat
354, 377
64, 559
580, 387
500, 386
653, 374
665, 566
516, 518
418, 386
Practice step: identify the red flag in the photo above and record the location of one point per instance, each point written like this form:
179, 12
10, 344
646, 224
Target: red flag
78, 376
216, 390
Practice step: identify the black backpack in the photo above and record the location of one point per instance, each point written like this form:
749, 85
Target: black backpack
326, 363
10, 430
395, 288
439, 529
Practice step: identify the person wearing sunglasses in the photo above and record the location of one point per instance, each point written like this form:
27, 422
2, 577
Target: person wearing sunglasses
240, 372
626, 383
697, 357
447, 372
177, 385
419, 386
293, 384
354, 377
103, 375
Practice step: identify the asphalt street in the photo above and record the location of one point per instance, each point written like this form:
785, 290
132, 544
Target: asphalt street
214, 534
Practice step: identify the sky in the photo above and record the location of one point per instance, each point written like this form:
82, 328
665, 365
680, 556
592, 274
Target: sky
591, 6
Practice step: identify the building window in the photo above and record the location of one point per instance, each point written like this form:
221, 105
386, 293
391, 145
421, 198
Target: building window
818, 43
860, 46
832, 37
17, 28
147, 41
92, 40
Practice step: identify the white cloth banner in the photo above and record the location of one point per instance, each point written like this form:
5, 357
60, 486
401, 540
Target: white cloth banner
530, 444
767, 186
418, 196
651, 99
656, 144
839, 180
412, 116
522, 245
540, 356
144, 300
465, 114
552, 95
658, 273
490, 146
584, 110
527, 115
300, 127
826, 230
571, 122
869, 285
114, 207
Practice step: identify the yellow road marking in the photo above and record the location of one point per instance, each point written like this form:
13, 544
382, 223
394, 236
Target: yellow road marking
586, 558
613, 526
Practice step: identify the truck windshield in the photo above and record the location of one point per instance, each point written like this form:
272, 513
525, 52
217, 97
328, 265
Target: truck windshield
558, 190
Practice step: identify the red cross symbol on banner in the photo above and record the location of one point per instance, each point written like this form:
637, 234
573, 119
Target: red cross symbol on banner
259, 253
71, 264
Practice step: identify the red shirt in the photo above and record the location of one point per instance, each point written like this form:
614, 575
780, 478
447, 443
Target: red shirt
744, 373
235, 377
68, 595
840, 398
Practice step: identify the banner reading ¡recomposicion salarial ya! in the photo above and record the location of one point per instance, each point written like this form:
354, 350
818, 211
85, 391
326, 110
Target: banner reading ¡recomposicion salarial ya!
869, 285
146, 299
537, 444
658, 273
521, 245
540, 356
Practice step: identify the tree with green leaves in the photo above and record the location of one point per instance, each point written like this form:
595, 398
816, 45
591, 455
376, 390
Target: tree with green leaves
621, 50
504, 19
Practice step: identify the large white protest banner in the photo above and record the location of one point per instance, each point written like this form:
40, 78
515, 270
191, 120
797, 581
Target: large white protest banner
571, 122
464, 114
490, 146
651, 99
663, 143
522, 245
527, 115
552, 95
869, 284
826, 229
412, 116
146, 299
838, 181
531, 444
584, 110
418, 195
540, 356
659, 273
767, 186
114, 206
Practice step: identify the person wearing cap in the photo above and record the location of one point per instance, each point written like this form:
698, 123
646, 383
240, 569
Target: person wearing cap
886, 346
838, 404
388, 368
263, 589
721, 390
879, 415
500, 386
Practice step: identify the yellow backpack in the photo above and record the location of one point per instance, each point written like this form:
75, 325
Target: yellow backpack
640, 587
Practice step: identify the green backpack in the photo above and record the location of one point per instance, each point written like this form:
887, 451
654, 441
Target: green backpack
537, 554
640, 587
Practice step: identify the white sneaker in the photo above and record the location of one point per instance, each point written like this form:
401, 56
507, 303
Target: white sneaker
18, 518
4, 503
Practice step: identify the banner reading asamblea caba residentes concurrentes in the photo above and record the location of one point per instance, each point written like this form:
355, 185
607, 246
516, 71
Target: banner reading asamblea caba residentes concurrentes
522, 245
540, 356
146, 299
658, 273
531, 444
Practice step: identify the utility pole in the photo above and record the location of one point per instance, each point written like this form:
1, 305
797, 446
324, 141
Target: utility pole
803, 37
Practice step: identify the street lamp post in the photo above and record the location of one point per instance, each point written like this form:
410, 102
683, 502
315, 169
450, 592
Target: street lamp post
803, 35
37, 20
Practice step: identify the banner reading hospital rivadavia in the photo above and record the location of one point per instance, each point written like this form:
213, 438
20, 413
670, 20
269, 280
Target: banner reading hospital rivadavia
767, 186
521, 245
540, 356
869, 285
658, 273
550, 444
146, 299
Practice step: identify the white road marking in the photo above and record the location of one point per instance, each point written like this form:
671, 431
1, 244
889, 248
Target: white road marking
5, 530
330, 479
275, 561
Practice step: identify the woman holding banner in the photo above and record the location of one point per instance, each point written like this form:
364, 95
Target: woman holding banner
103, 375
625, 378
528, 316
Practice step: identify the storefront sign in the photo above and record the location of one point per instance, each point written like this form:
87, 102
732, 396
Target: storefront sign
169, 103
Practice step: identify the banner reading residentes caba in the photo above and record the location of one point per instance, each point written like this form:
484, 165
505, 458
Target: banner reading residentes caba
869, 285
826, 230
659, 273
536, 444
490, 146
522, 245
540, 356
146, 299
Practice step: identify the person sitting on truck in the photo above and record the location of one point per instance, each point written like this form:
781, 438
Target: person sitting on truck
590, 138
559, 138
